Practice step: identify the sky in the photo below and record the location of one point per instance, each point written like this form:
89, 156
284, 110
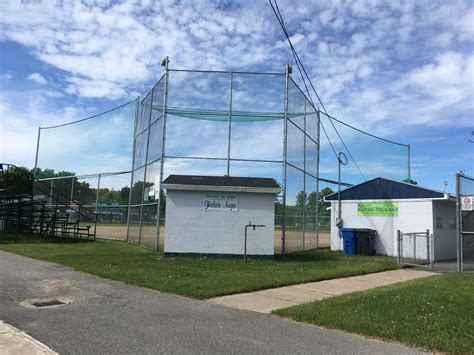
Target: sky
403, 70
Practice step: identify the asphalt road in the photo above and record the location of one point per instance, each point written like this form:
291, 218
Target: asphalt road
110, 317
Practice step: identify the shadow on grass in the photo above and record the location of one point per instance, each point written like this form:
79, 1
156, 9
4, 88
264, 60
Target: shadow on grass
35, 238
309, 256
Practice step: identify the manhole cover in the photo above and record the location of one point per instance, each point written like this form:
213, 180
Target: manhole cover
45, 302
48, 303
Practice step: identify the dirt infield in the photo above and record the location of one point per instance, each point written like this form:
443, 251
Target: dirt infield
293, 242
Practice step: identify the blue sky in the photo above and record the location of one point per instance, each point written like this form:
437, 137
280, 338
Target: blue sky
403, 70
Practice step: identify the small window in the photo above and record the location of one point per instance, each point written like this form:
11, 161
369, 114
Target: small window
452, 224
439, 222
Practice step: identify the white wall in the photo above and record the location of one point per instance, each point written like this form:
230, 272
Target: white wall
413, 216
190, 229
444, 238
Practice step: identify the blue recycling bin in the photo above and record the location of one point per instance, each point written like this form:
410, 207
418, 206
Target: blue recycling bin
349, 241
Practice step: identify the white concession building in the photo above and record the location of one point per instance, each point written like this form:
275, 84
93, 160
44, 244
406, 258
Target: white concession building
208, 214
387, 206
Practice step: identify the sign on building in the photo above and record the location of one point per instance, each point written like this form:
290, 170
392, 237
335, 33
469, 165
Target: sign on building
377, 209
220, 202
467, 203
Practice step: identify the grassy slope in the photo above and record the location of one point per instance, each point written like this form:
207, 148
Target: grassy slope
435, 313
193, 276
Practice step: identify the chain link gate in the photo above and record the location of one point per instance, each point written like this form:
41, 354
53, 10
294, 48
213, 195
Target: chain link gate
415, 249
465, 221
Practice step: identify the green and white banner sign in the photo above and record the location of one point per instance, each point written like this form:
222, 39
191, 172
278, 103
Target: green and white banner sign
220, 202
377, 209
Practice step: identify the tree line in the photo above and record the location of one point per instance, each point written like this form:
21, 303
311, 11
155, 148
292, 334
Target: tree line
19, 180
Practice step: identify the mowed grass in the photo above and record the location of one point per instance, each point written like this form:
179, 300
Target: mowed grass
197, 277
435, 313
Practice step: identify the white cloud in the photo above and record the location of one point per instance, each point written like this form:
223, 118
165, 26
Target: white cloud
382, 66
94, 88
6, 76
37, 78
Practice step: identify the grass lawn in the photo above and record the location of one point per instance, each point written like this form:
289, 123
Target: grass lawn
196, 277
435, 313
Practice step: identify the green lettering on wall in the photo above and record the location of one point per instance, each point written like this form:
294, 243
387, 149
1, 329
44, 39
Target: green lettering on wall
377, 209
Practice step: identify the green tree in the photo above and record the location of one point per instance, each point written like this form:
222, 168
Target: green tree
410, 181
311, 200
124, 194
83, 193
50, 173
300, 200
18, 181
324, 205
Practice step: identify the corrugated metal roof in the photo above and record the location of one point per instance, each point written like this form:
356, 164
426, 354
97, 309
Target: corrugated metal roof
385, 189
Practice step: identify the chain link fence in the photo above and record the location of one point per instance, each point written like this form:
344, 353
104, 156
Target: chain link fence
107, 195
415, 249
213, 123
465, 221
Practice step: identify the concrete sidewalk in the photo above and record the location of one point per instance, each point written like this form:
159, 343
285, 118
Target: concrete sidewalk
268, 300
14, 342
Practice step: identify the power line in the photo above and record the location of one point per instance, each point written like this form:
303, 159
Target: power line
299, 63
280, 20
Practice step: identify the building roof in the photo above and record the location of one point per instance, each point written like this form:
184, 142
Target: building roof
221, 183
385, 189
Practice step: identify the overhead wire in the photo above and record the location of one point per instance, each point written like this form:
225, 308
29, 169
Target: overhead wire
301, 69
91, 117
302, 77
300, 63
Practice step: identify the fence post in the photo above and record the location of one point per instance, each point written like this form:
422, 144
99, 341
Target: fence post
428, 249
304, 177
399, 257
409, 163
285, 158
148, 125
458, 222
51, 193
137, 110
414, 247
37, 152
163, 146
317, 182
230, 122
72, 189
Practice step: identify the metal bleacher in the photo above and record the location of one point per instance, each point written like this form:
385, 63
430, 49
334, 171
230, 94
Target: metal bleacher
29, 206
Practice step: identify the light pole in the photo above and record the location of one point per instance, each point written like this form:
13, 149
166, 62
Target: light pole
341, 160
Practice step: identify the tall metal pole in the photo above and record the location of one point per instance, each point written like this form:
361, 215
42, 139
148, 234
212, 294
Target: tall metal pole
304, 177
146, 164
37, 151
97, 194
458, 222
51, 193
339, 214
285, 158
230, 123
317, 182
163, 146
72, 189
137, 110
339, 208
409, 163
96, 205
